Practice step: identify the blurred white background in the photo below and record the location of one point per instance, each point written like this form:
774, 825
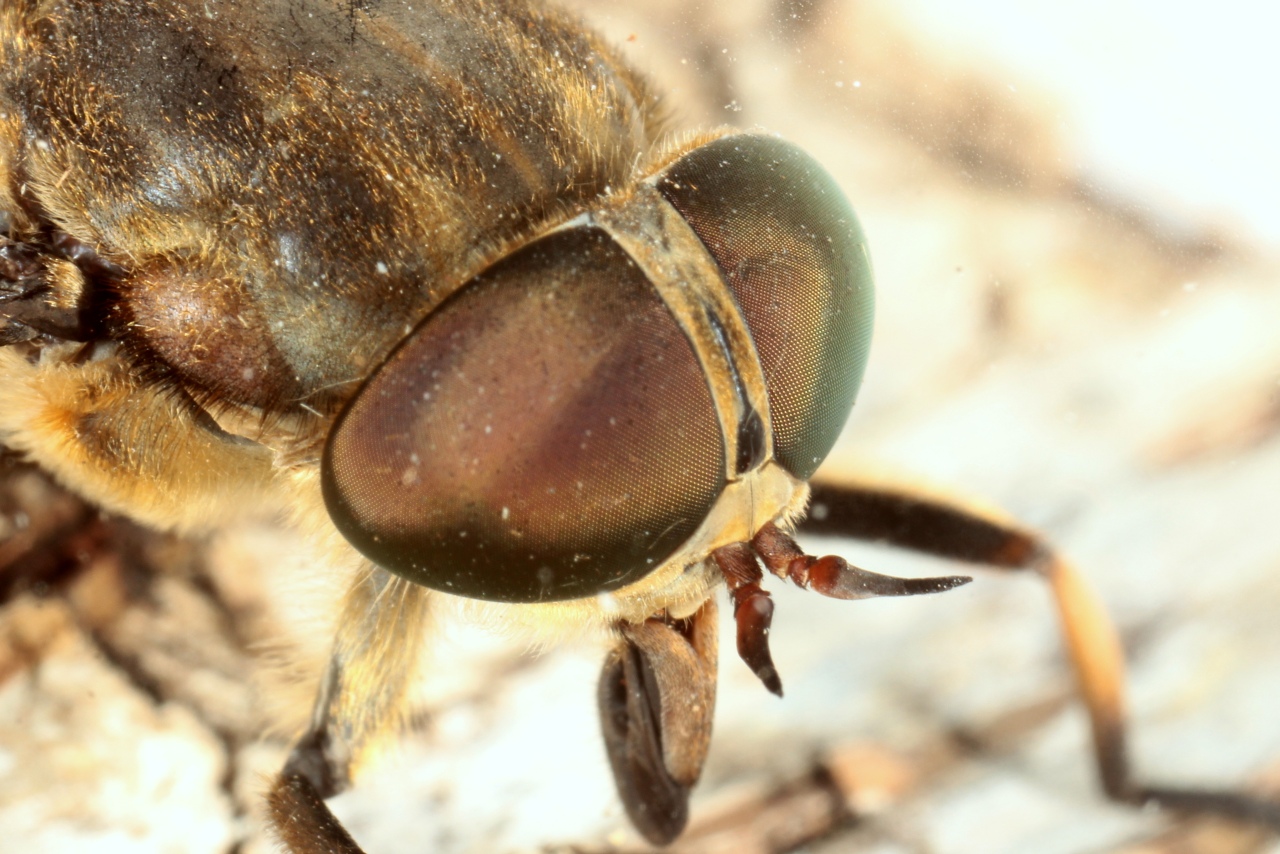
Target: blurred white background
1172, 105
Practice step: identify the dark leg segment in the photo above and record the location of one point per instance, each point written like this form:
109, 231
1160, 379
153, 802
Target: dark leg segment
752, 609
303, 823
954, 530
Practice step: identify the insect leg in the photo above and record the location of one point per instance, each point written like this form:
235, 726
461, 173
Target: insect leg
381, 631
954, 530
302, 822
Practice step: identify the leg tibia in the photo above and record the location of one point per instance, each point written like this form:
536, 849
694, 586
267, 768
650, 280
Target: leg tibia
960, 531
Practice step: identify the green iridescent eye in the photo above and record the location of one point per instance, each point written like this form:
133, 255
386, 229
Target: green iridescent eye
794, 255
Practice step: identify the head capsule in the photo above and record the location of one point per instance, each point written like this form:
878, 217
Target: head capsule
577, 414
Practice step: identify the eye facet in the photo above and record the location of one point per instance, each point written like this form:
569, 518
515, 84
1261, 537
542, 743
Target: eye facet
545, 434
795, 258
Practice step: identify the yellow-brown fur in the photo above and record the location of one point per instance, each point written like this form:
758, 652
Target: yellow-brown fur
258, 289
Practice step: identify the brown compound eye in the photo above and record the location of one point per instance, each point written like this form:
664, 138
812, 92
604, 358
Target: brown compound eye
794, 256
547, 433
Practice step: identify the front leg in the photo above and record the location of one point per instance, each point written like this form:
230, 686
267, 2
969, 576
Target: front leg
382, 627
953, 529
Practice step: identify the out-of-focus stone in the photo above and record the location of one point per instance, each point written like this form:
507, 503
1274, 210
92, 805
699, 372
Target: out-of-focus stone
870, 777
88, 763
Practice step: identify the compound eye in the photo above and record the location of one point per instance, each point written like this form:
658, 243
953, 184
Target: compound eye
546, 433
794, 255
